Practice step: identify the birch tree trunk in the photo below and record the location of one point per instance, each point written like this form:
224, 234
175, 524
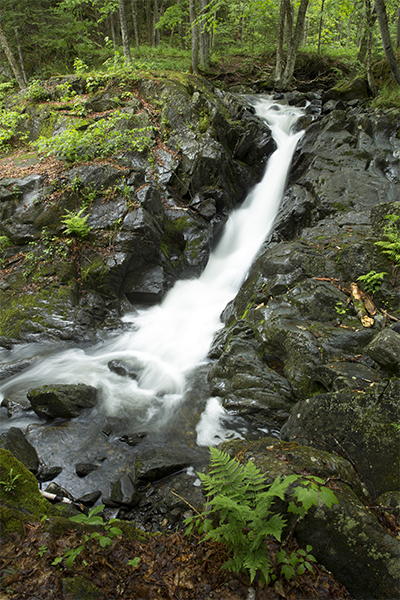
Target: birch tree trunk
124, 31
380, 9
11, 60
195, 37
279, 41
293, 44
204, 35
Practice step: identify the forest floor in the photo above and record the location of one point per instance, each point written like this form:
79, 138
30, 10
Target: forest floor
171, 567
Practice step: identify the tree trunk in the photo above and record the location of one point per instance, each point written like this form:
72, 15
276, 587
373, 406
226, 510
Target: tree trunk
369, 28
380, 9
321, 22
21, 58
294, 45
11, 60
135, 23
204, 35
195, 37
124, 31
155, 32
279, 41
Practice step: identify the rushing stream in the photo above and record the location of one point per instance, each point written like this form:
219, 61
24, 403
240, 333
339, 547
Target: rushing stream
166, 345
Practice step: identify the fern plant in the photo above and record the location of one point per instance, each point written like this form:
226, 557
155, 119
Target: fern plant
239, 498
75, 224
391, 245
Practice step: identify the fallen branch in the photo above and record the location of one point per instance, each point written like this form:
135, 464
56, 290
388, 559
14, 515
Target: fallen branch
359, 305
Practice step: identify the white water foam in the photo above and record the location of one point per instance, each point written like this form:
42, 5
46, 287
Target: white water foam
173, 337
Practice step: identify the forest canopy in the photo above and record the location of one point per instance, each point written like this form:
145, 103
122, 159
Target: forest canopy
41, 38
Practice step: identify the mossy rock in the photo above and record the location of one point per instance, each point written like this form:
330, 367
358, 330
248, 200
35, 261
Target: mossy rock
22, 503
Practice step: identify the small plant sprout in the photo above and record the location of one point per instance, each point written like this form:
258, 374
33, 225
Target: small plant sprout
42, 550
10, 482
372, 281
340, 308
103, 539
134, 562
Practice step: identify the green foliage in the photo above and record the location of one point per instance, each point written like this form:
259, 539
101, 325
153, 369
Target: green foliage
295, 562
134, 562
5, 90
80, 67
75, 224
102, 539
9, 122
9, 484
390, 247
36, 91
5, 242
106, 137
372, 281
42, 550
340, 308
243, 504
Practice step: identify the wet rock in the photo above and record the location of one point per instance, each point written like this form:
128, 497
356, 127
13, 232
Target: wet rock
15, 441
347, 538
358, 424
48, 473
62, 401
153, 465
117, 366
385, 350
133, 439
89, 499
124, 492
83, 469
337, 375
248, 387
350, 542
11, 369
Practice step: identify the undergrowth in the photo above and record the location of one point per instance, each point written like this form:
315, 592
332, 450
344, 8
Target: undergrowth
240, 513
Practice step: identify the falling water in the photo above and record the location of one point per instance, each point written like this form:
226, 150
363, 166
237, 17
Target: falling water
167, 341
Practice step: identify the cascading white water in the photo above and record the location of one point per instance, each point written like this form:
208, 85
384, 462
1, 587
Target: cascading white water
169, 340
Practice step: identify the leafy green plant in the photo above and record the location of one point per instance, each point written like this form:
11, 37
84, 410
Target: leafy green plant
75, 224
42, 550
80, 67
390, 247
372, 281
102, 539
134, 562
36, 91
5, 242
10, 483
106, 137
340, 308
239, 498
9, 122
295, 562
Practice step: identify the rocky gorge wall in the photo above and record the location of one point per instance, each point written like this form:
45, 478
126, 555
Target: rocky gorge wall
293, 355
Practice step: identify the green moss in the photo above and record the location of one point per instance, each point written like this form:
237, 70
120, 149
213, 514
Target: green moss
30, 312
22, 504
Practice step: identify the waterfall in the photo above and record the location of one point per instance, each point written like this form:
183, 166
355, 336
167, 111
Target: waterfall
166, 342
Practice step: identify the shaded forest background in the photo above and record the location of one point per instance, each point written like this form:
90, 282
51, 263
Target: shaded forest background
43, 38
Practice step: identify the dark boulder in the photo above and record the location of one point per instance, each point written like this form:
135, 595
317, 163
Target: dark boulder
62, 401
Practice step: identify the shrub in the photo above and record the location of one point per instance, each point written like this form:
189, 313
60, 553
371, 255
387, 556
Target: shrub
105, 137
